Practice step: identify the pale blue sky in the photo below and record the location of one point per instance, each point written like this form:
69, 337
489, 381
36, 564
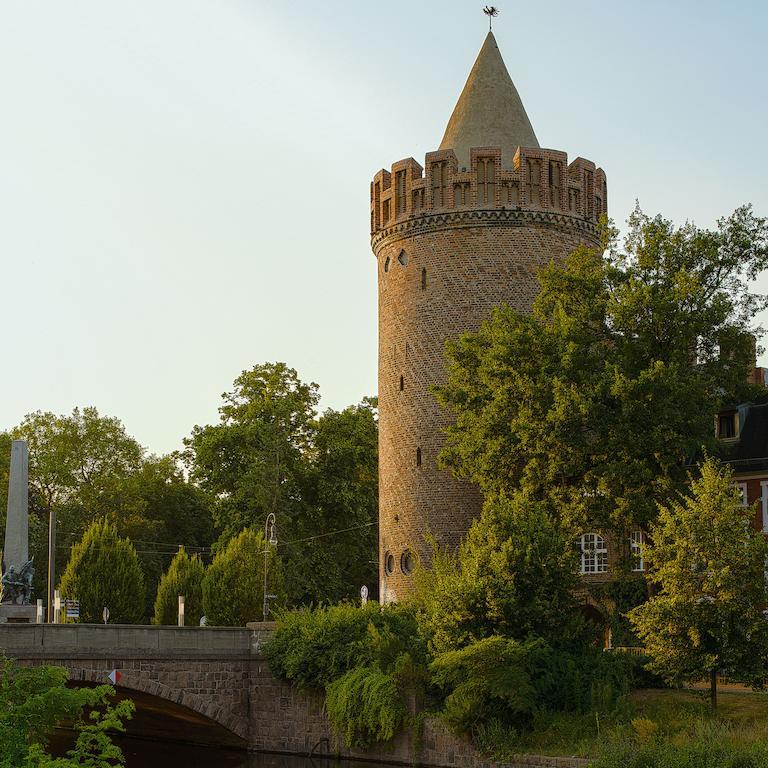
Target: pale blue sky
184, 183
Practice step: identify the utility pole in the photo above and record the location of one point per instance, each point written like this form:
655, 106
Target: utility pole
51, 561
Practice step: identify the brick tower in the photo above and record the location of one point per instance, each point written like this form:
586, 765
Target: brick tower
453, 240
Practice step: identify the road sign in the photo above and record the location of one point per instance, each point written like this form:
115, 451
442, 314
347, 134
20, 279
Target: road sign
115, 677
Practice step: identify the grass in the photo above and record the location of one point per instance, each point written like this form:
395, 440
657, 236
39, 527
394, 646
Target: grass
675, 716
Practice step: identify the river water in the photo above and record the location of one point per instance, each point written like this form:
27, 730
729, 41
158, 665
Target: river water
142, 753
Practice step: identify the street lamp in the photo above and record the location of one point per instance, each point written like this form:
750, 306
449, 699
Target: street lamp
270, 537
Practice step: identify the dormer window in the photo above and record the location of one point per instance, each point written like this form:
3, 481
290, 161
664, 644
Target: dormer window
728, 425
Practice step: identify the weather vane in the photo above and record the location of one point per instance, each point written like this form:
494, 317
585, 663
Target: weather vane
490, 11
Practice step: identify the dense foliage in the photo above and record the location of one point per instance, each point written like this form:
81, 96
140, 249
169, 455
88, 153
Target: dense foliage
269, 453
367, 660
33, 701
514, 575
595, 401
103, 571
84, 466
184, 577
707, 563
233, 586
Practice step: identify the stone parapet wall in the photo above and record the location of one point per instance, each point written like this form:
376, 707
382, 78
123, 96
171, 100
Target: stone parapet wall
534, 179
125, 641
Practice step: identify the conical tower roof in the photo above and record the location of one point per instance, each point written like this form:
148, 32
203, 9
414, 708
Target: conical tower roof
489, 112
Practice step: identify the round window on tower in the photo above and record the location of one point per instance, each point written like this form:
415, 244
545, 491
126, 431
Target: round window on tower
389, 563
407, 562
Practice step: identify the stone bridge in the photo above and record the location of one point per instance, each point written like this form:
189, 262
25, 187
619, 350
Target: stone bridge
203, 684
212, 685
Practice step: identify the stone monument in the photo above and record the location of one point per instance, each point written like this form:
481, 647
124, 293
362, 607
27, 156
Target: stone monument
17, 567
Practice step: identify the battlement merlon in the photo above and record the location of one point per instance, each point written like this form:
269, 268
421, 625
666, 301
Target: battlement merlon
539, 179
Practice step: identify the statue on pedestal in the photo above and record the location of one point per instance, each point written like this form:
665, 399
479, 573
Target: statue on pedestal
17, 585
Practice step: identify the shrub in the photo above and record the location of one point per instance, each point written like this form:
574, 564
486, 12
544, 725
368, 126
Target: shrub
492, 679
365, 706
184, 577
366, 660
233, 586
314, 647
590, 680
513, 576
495, 688
104, 571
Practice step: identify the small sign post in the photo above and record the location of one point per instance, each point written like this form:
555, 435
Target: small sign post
115, 676
363, 595
72, 609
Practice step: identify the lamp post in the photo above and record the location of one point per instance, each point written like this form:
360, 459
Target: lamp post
270, 537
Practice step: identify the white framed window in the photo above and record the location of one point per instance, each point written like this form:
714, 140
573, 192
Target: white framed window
636, 544
594, 553
764, 503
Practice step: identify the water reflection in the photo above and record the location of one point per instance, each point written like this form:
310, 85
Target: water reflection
141, 753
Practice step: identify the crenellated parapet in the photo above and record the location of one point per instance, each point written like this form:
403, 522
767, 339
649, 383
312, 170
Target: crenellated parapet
538, 180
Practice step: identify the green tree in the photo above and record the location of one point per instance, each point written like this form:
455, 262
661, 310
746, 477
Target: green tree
707, 563
36, 700
233, 587
167, 511
514, 576
104, 571
85, 466
337, 530
253, 461
76, 463
183, 577
270, 453
596, 400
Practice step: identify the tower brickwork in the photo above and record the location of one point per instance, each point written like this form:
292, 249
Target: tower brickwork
451, 242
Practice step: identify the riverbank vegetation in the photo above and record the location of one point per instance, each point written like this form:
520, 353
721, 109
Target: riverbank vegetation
34, 701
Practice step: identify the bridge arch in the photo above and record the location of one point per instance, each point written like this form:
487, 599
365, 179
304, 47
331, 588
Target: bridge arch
170, 713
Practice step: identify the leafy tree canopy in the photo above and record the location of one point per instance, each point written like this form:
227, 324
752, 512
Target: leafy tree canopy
599, 399
513, 576
85, 466
253, 459
707, 563
269, 452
